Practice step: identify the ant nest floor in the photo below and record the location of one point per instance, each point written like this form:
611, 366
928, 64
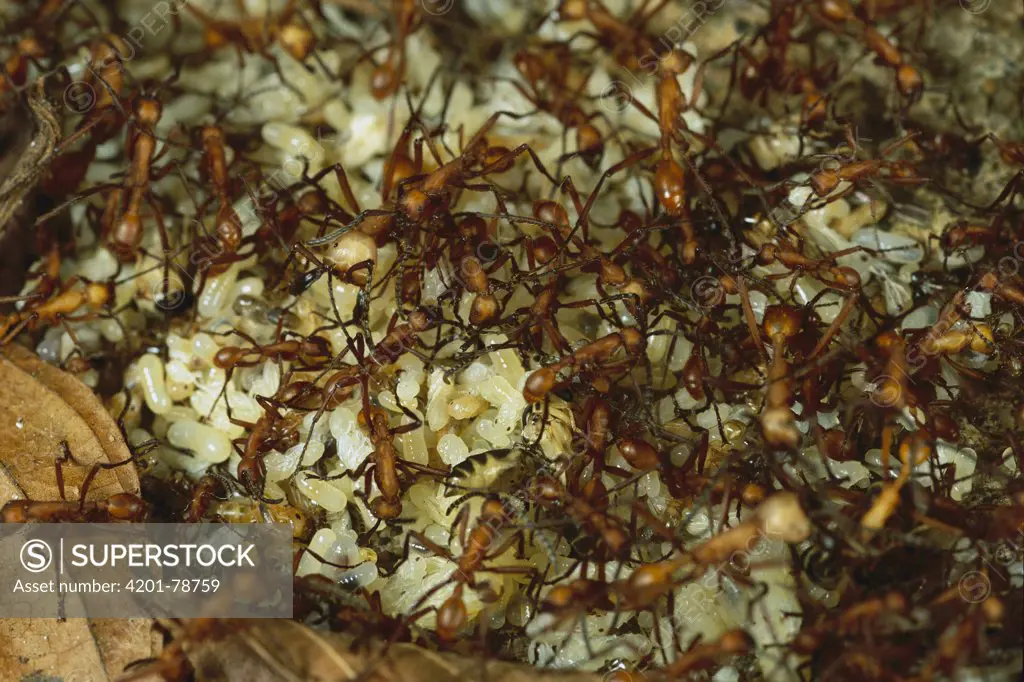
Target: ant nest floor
653, 339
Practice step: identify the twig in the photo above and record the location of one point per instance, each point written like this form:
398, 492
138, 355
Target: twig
36, 157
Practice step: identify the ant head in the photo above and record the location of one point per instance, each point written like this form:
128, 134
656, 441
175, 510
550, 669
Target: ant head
839, 11
497, 159
982, 339
425, 317
484, 311
296, 40
572, 10
385, 79
544, 249
16, 512
551, 212
539, 384
847, 279
909, 82
109, 47
559, 597
126, 237
313, 202
895, 602
676, 61
736, 642
31, 48
529, 65
251, 474
126, 507
545, 489
889, 341
208, 134
782, 516
781, 320
472, 227
148, 111
767, 254
493, 508
385, 510
418, 205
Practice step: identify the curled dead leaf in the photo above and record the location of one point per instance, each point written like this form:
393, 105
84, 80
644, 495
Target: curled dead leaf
41, 406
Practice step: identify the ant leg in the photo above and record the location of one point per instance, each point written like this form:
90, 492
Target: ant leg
101, 466
1010, 190
460, 524
84, 194
343, 183
223, 394
407, 428
71, 333
408, 466
515, 153
430, 593
13, 327
584, 211
58, 466
751, 320
833, 329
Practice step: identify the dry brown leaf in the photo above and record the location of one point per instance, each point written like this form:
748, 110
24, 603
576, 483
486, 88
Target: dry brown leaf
286, 651
40, 406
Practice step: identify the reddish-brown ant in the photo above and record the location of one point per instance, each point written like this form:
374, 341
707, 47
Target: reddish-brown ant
385, 461
206, 492
853, 617
310, 353
257, 34
477, 549
914, 450
388, 75
1010, 292
774, 71
544, 380
779, 517
57, 309
546, 71
565, 601
778, 423
119, 507
909, 81
266, 434
827, 182
632, 47
588, 508
227, 226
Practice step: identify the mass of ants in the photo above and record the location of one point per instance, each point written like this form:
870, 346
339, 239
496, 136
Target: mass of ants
703, 259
